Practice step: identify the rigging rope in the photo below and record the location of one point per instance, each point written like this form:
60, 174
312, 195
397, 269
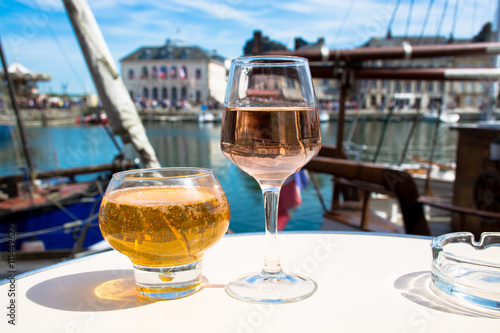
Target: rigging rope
443, 15
344, 20
426, 19
455, 14
70, 64
473, 22
408, 21
393, 15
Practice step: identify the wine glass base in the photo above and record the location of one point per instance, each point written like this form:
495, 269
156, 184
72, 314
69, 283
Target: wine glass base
267, 288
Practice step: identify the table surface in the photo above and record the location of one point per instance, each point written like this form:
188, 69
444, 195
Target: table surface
367, 283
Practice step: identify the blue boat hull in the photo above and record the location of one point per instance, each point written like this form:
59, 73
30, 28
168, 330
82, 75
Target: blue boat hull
59, 239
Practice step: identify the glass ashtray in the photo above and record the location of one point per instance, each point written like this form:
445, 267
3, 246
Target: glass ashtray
467, 272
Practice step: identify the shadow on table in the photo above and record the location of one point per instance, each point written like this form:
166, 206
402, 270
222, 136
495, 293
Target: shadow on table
417, 288
92, 291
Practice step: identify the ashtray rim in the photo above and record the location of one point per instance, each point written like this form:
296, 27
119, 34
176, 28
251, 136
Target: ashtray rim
462, 290
486, 240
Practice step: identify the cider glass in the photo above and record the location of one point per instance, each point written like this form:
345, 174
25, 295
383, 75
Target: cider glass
270, 129
164, 220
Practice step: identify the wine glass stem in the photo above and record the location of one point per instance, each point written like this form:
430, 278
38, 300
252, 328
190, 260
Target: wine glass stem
271, 261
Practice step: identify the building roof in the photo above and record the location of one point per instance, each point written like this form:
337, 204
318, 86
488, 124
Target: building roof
398, 40
485, 35
19, 72
260, 44
173, 51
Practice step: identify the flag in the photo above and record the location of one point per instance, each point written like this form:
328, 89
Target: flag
290, 197
163, 72
173, 71
182, 74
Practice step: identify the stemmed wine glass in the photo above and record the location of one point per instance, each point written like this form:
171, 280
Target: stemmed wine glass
270, 129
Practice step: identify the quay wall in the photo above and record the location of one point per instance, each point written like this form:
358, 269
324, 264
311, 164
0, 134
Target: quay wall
69, 116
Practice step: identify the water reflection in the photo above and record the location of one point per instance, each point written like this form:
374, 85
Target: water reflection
193, 144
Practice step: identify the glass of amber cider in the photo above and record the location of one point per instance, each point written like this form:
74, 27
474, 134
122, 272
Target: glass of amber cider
164, 220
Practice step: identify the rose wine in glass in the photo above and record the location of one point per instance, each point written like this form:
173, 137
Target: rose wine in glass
270, 129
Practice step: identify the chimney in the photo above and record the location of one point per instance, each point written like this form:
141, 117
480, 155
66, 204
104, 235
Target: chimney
257, 42
298, 43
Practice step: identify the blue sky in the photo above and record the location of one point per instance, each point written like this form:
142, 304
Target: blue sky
38, 34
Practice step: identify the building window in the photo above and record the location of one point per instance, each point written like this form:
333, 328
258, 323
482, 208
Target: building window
174, 93
183, 93
471, 86
374, 100
408, 86
131, 74
145, 92
441, 87
374, 83
198, 96
163, 72
398, 86
384, 83
154, 72
164, 93
144, 73
419, 86
131, 93
173, 72
430, 86
198, 73
155, 93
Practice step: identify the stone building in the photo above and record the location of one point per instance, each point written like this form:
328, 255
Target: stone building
326, 90
425, 94
175, 72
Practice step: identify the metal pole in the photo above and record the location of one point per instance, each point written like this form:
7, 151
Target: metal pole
20, 124
340, 132
410, 135
382, 135
496, 63
428, 190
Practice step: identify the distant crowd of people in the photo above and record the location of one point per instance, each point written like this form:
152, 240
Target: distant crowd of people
146, 104
334, 106
45, 102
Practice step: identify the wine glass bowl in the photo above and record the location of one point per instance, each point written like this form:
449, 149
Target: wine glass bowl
164, 220
270, 129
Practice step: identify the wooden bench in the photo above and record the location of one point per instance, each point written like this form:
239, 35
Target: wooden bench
367, 178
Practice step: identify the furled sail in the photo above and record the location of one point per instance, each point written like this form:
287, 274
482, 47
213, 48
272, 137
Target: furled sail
115, 98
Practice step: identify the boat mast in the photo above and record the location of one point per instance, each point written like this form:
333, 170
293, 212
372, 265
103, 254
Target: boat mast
20, 124
115, 98
496, 63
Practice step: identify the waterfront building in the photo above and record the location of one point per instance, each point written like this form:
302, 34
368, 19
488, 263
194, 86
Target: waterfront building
403, 94
425, 94
326, 90
174, 72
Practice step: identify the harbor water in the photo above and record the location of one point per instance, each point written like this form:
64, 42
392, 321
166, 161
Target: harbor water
194, 144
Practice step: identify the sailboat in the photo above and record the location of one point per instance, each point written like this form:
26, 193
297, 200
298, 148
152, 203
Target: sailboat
444, 117
50, 210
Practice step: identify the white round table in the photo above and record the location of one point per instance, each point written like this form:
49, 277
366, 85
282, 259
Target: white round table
367, 283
